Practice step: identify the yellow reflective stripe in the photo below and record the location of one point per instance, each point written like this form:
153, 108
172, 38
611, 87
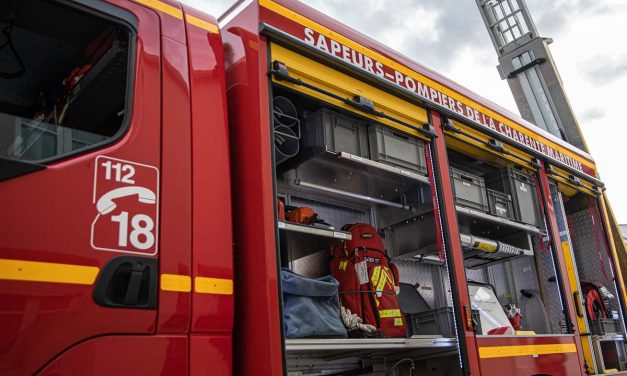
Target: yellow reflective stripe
343, 265
398, 321
177, 13
34, 271
162, 7
202, 24
176, 282
375, 276
202, 285
509, 351
389, 313
220, 286
385, 276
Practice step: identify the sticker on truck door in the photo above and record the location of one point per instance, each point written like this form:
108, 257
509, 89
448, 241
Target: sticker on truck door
126, 207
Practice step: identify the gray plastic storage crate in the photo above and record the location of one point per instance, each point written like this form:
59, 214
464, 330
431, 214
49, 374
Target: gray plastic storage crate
328, 130
522, 188
397, 149
439, 322
469, 190
605, 326
436, 321
500, 204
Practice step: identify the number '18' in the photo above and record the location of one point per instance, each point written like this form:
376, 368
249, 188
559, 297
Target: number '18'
141, 236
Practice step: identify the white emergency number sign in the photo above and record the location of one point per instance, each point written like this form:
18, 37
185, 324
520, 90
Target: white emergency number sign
126, 200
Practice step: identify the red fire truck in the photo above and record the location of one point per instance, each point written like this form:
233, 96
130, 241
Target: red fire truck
148, 155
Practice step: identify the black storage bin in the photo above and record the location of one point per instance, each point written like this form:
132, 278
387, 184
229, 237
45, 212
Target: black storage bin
434, 322
397, 149
500, 204
469, 190
328, 130
438, 322
605, 326
522, 188
410, 300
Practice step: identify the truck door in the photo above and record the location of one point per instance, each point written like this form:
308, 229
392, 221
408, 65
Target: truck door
79, 185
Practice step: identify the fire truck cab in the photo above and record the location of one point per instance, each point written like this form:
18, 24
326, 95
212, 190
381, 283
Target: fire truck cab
116, 250
163, 175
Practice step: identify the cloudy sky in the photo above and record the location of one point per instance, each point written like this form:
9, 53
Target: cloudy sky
590, 50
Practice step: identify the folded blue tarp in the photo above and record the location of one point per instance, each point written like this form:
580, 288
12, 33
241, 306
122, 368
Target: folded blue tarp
311, 307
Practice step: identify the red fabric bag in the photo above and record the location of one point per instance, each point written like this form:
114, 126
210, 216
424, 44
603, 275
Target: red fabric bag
368, 283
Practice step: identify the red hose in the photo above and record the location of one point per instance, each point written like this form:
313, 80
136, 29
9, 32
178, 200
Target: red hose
594, 305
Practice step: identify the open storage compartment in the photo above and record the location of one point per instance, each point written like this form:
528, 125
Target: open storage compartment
510, 264
599, 307
385, 186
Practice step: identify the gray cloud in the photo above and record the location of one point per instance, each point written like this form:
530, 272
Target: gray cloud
605, 69
551, 17
456, 26
592, 114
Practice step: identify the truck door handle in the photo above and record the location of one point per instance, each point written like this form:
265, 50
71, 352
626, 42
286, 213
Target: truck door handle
128, 282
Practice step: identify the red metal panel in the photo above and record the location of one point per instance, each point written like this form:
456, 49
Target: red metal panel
450, 226
212, 229
123, 355
47, 217
548, 364
171, 16
211, 355
258, 336
176, 186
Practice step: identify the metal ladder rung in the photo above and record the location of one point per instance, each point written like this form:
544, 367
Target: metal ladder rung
513, 14
503, 31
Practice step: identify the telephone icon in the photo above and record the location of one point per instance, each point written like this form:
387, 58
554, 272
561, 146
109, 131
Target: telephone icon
106, 203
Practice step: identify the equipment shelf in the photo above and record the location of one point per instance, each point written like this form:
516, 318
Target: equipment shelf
483, 224
476, 259
310, 238
355, 179
345, 347
493, 228
428, 253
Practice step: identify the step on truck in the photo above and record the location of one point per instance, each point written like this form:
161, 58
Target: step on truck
274, 193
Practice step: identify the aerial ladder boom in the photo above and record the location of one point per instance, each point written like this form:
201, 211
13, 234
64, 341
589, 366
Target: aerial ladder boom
526, 63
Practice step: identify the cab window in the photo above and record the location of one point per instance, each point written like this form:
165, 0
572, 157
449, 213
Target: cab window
63, 80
